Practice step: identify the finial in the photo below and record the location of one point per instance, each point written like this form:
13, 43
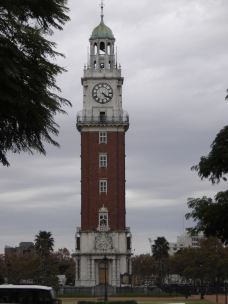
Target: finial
102, 11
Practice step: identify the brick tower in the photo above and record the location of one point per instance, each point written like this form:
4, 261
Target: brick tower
103, 242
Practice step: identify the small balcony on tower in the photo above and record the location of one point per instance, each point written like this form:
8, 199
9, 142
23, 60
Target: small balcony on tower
101, 120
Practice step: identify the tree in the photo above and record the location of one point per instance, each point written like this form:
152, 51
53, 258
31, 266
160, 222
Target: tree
160, 253
142, 265
22, 268
2, 269
44, 245
65, 264
195, 264
28, 91
160, 248
211, 216
215, 165
142, 268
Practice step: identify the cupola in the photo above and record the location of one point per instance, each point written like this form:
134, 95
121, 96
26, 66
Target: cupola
102, 40
102, 31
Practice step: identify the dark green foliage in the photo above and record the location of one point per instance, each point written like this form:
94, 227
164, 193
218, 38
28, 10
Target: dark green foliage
44, 243
48, 269
142, 265
160, 253
19, 268
211, 216
215, 165
160, 248
209, 263
28, 92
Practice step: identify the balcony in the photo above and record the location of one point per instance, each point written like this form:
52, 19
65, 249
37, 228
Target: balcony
102, 120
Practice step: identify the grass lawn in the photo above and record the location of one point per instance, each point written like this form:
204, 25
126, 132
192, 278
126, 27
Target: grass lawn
170, 301
149, 301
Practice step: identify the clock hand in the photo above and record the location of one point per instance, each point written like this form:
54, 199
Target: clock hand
105, 95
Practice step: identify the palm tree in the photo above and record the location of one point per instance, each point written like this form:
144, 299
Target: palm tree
160, 251
44, 243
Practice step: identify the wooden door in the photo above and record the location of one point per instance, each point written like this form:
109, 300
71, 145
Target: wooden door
103, 273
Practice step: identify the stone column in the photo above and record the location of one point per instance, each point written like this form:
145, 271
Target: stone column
118, 272
114, 272
76, 269
93, 271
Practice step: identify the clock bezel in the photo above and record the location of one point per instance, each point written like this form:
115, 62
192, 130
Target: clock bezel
105, 85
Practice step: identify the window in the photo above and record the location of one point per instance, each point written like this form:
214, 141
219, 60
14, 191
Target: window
78, 243
103, 187
102, 48
128, 242
102, 137
103, 222
95, 48
103, 219
109, 48
102, 116
103, 160
26, 294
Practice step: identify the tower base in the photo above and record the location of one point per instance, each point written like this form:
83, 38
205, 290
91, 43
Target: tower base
102, 257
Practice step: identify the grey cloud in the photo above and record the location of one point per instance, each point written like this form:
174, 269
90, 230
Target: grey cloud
174, 60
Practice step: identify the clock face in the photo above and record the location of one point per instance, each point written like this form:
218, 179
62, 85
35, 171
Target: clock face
102, 93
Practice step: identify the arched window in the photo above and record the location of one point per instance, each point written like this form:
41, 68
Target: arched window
95, 64
102, 48
103, 219
109, 48
95, 48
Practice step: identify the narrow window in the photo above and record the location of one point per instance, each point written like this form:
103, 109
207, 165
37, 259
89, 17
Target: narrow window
102, 137
103, 160
102, 116
95, 49
103, 187
95, 64
102, 48
109, 49
78, 243
128, 243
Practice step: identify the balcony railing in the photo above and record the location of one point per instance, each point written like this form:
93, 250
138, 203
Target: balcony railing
120, 120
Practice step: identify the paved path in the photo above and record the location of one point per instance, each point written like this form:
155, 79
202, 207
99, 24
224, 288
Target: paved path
177, 300
212, 298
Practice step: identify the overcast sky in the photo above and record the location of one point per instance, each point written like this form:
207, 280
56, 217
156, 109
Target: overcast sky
174, 57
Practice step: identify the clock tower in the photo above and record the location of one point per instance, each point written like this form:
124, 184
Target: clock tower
103, 242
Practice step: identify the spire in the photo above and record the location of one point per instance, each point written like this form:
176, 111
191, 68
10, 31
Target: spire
102, 11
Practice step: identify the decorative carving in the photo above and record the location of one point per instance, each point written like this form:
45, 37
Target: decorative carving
103, 241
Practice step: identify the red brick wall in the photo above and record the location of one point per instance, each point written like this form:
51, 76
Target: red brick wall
92, 200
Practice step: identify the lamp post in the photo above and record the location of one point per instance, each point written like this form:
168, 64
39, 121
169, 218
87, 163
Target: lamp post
105, 260
225, 293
